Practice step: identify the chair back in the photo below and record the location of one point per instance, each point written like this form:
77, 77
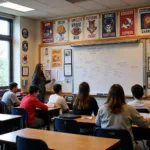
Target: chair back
22, 112
30, 144
143, 110
3, 108
67, 126
123, 135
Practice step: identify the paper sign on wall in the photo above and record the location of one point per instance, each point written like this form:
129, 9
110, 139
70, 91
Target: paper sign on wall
109, 25
91, 27
127, 22
76, 29
62, 30
144, 20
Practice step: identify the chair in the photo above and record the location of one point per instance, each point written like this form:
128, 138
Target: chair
22, 112
3, 108
30, 144
68, 126
143, 110
123, 135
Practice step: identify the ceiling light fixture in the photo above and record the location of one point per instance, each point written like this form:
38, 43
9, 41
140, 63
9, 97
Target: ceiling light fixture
16, 7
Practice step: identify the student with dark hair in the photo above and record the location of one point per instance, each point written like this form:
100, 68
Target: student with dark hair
116, 114
85, 104
30, 103
139, 103
57, 100
39, 80
10, 98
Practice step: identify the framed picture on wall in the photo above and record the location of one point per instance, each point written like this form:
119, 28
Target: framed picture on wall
68, 56
67, 69
25, 71
148, 63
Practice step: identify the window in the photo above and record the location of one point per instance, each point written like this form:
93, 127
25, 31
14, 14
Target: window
5, 52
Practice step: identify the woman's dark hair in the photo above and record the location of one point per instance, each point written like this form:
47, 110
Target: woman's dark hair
116, 99
38, 73
137, 91
82, 99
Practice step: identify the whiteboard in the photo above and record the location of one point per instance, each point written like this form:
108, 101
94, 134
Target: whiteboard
104, 65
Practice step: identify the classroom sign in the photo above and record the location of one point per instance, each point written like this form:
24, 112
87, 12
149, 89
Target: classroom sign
47, 32
76, 29
91, 27
62, 30
127, 22
144, 16
109, 25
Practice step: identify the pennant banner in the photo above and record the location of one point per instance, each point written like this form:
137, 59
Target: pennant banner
144, 17
109, 25
47, 32
91, 27
127, 23
76, 29
61, 30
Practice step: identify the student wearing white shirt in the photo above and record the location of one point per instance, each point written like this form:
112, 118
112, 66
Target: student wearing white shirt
139, 103
57, 100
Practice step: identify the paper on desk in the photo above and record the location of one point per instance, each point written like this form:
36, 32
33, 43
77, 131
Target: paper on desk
145, 115
86, 117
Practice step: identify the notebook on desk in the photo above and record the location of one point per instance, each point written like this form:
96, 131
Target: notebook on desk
69, 116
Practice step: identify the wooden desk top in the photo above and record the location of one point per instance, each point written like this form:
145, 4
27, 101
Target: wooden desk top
5, 117
84, 119
61, 141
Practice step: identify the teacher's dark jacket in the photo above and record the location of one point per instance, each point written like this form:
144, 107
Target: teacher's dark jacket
40, 82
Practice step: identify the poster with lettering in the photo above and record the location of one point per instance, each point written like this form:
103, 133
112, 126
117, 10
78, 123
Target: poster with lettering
127, 22
91, 27
144, 20
108, 25
61, 30
47, 32
76, 29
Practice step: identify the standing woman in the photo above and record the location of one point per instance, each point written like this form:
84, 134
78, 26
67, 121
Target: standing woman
40, 80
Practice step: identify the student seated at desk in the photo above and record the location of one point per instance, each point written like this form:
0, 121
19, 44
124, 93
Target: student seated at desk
57, 100
116, 114
10, 98
30, 103
85, 104
139, 103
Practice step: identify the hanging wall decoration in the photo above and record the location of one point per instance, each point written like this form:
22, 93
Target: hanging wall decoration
144, 20
25, 33
47, 32
109, 25
61, 30
91, 27
25, 59
127, 22
25, 46
76, 29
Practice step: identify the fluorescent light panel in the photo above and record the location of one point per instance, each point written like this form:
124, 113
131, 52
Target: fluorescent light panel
16, 6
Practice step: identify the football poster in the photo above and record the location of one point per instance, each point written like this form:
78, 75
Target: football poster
108, 25
76, 29
91, 27
144, 17
47, 32
61, 31
127, 22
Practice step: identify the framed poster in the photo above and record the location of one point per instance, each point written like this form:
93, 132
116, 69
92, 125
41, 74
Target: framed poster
67, 69
109, 25
47, 32
91, 27
68, 56
61, 30
127, 22
25, 71
76, 29
144, 20
56, 58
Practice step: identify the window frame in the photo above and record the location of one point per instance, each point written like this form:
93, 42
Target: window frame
9, 38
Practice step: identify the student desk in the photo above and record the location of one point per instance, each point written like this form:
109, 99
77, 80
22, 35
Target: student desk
62, 141
47, 115
9, 122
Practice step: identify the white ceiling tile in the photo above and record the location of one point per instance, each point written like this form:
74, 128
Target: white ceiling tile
137, 2
91, 5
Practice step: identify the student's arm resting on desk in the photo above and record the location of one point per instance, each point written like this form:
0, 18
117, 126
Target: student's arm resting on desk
98, 119
64, 105
94, 106
138, 119
40, 105
15, 99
